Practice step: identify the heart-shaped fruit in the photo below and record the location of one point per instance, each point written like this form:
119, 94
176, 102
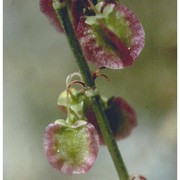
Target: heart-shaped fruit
71, 149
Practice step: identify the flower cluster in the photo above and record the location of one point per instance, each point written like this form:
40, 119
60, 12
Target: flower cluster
109, 34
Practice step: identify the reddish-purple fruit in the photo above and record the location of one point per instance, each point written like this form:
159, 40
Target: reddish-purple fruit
138, 177
114, 41
46, 7
115, 38
71, 150
121, 117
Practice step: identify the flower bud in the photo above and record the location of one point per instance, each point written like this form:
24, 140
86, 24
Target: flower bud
74, 101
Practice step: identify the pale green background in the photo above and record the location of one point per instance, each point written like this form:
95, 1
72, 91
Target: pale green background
37, 60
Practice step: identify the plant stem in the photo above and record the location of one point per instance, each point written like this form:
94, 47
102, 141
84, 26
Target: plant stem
62, 13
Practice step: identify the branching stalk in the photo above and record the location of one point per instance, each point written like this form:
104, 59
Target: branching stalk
62, 12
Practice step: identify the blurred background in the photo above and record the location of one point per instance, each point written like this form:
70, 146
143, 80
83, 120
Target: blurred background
37, 60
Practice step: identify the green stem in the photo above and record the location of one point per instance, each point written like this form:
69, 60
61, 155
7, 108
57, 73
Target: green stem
62, 13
